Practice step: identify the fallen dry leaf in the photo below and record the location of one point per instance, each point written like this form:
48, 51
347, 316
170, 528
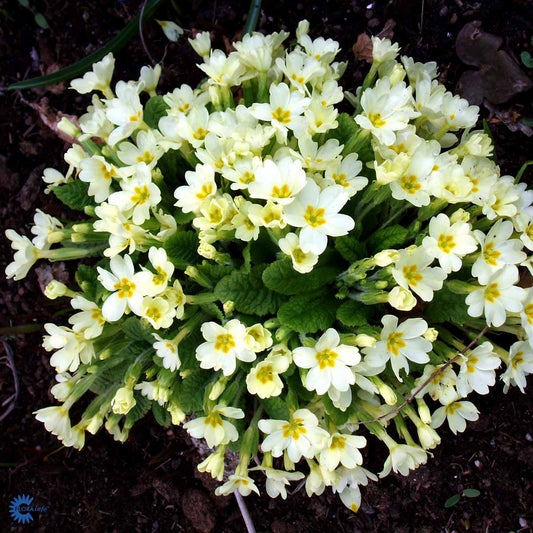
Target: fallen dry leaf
362, 49
499, 77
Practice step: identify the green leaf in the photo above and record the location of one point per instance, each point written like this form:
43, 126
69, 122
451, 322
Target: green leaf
212, 272
276, 408
527, 59
74, 194
281, 277
155, 109
471, 493
309, 313
353, 314
24, 3
350, 248
161, 415
389, 237
87, 280
345, 130
247, 291
41, 21
263, 250
187, 349
452, 500
141, 407
337, 416
447, 307
85, 64
137, 330
181, 249
191, 391
212, 309
181, 217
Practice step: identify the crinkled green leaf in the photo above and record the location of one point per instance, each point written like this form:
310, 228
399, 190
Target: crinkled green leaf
212, 309
309, 313
447, 306
276, 408
389, 237
346, 129
281, 277
161, 415
181, 249
248, 292
471, 493
74, 194
137, 330
86, 278
213, 273
337, 416
350, 248
141, 407
155, 109
353, 314
191, 391
187, 349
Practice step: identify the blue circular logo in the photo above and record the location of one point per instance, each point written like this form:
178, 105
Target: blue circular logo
18, 509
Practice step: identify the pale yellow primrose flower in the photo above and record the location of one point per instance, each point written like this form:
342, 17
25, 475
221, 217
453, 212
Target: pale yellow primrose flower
498, 296
264, 380
213, 428
317, 213
128, 288
329, 363
225, 344
300, 436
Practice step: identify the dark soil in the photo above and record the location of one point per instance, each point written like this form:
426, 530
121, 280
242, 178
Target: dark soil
150, 483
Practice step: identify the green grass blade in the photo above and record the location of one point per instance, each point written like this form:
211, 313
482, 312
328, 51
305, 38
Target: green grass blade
85, 64
253, 16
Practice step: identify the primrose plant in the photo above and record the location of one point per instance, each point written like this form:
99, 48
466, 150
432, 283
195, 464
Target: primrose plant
282, 279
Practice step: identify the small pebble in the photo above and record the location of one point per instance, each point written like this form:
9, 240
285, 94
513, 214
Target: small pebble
522, 522
529, 438
478, 463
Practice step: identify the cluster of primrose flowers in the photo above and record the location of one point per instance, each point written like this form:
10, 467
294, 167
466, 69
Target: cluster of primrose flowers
277, 276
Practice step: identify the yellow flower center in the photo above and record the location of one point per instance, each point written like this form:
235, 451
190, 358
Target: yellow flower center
446, 243
265, 374
213, 419
225, 342
395, 342
326, 358
281, 116
315, 217
183, 108
299, 255
294, 429
376, 120
160, 277
470, 366
125, 288
338, 442
141, 195
490, 255
200, 134
97, 315
135, 118
492, 292
154, 313
410, 184
247, 178
412, 275
281, 192
340, 179
528, 310
299, 79
147, 157
517, 359
205, 191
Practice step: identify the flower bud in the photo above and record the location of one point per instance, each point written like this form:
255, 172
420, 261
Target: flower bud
364, 341
123, 401
401, 299
460, 216
431, 334
55, 289
428, 437
68, 127
386, 257
201, 44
